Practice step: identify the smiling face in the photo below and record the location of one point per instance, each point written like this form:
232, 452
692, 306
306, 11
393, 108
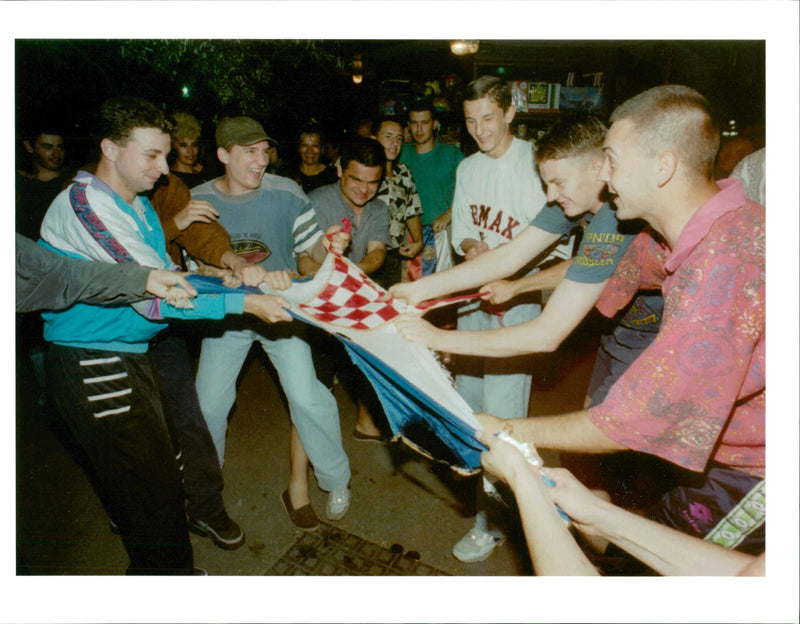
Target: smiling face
489, 125
310, 148
245, 165
628, 170
390, 136
359, 184
187, 150
139, 162
573, 183
47, 152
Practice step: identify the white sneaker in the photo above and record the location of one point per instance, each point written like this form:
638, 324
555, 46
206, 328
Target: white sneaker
338, 503
477, 545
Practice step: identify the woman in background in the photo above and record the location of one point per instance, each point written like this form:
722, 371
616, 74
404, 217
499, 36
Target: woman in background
186, 150
312, 173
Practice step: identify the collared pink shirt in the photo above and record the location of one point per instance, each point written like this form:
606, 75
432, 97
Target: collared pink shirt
698, 392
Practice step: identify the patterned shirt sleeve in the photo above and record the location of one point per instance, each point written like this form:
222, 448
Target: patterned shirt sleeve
676, 399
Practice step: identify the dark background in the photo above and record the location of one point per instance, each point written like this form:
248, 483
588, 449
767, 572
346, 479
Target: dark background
285, 83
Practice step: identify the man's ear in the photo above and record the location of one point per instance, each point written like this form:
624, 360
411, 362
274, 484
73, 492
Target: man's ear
28, 147
109, 149
667, 165
339, 167
223, 155
510, 114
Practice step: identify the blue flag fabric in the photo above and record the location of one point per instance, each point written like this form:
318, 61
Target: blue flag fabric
421, 405
210, 285
416, 417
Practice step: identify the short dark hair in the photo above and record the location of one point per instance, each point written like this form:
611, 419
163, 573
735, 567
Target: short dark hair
359, 123
34, 131
313, 127
492, 87
367, 152
120, 116
422, 105
572, 135
376, 126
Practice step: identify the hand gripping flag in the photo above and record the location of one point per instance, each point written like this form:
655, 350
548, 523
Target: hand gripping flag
417, 394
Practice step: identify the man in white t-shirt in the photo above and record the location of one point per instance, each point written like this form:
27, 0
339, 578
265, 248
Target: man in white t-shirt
498, 192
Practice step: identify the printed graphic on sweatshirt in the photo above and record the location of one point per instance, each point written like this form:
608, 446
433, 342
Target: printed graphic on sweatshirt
640, 315
492, 220
599, 249
254, 251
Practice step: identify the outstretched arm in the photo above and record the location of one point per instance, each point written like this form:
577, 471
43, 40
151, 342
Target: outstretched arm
667, 551
553, 550
567, 307
46, 280
161, 280
573, 432
492, 265
501, 291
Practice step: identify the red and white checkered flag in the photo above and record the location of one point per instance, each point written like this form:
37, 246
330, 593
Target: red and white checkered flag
350, 299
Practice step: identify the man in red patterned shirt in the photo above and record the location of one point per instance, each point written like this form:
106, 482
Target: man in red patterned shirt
696, 396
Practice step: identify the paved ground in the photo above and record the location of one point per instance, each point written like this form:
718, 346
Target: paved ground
402, 503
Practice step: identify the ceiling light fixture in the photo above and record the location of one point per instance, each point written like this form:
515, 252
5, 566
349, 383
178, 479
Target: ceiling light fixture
463, 47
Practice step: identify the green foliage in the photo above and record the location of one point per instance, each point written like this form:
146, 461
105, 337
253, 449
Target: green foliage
236, 70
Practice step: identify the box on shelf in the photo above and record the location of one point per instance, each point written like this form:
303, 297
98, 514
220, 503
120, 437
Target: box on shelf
519, 95
543, 96
588, 99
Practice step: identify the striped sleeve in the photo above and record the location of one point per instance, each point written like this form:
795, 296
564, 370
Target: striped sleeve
305, 231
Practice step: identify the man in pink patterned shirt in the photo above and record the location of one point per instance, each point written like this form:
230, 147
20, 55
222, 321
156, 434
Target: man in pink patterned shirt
696, 396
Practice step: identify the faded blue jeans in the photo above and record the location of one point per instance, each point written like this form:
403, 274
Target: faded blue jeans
497, 386
312, 407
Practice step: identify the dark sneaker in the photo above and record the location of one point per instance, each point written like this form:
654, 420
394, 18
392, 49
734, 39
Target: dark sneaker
304, 517
223, 531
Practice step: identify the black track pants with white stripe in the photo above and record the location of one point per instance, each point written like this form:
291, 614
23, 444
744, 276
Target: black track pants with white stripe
111, 403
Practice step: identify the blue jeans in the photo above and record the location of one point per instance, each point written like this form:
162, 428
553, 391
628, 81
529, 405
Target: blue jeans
497, 386
312, 407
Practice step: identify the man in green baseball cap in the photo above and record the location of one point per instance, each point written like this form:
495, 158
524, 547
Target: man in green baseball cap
240, 131
272, 224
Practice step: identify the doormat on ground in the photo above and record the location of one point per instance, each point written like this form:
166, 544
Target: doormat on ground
330, 551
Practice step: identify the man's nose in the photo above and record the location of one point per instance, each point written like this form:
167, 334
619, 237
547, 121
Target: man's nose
163, 167
602, 175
